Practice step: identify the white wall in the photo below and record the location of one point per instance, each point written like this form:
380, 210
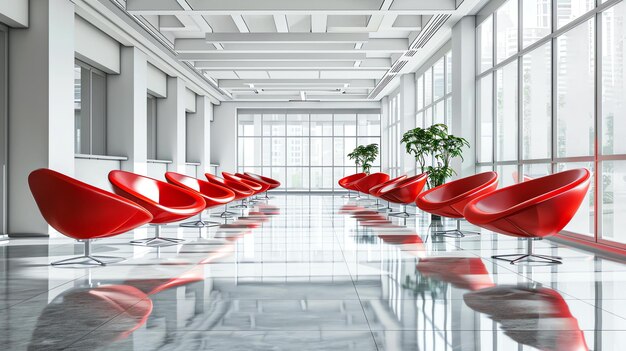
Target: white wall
224, 127
14, 13
95, 172
96, 48
41, 111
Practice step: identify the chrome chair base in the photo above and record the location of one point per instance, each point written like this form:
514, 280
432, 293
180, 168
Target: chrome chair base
403, 214
200, 224
529, 257
157, 240
455, 233
87, 258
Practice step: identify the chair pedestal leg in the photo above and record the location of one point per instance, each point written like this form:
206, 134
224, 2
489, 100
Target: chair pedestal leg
377, 205
199, 223
529, 257
401, 214
455, 233
87, 258
226, 214
241, 206
386, 209
157, 240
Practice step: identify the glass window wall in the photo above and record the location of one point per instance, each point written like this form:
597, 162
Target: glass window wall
304, 151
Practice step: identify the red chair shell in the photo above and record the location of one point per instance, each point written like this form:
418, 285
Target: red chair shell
375, 190
366, 183
213, 194
266, 186
536, 208
241, 190
167, 202
258, 188
449, 199
81, 211
272, 182
404, 191
347, 182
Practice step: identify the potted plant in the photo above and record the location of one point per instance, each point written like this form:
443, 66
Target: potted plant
364, 156
437, 143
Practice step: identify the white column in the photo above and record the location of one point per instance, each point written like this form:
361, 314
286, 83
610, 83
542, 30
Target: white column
127, 124
199, 134
464, 91
171, 125
407, 122
41, 111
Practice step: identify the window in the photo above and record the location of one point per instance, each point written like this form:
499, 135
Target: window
506, 113
537, 16
537, 103
485, 119
557, 102
304, 151
506, 33
569, 10
89, 110
394, 149
484, 40
152, 127
575, 91
434, 92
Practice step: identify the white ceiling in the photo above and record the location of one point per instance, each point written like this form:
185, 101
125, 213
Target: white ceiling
277, 49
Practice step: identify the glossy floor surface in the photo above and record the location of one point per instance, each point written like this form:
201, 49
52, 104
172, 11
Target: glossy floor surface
310, 273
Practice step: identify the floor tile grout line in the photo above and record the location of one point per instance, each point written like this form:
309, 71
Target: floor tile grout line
355, 288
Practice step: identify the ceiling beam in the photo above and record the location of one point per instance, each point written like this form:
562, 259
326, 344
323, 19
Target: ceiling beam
308, 38
281, 23
273, 7
318, 23
262, 56
240, 23
370, 64
373, 45
298, 83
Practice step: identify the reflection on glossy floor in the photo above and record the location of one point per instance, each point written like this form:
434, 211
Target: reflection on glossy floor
310, 273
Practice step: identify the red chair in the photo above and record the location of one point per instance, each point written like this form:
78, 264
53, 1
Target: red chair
375, 191
532, 209
257, 187
83, 212
273, 183
167, 203
264, 186
213, 195
404, 192
347, 182
241, 190
531, 315
449, 199
365, 184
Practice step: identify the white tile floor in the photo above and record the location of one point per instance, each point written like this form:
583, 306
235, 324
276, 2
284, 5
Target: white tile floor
317, 274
